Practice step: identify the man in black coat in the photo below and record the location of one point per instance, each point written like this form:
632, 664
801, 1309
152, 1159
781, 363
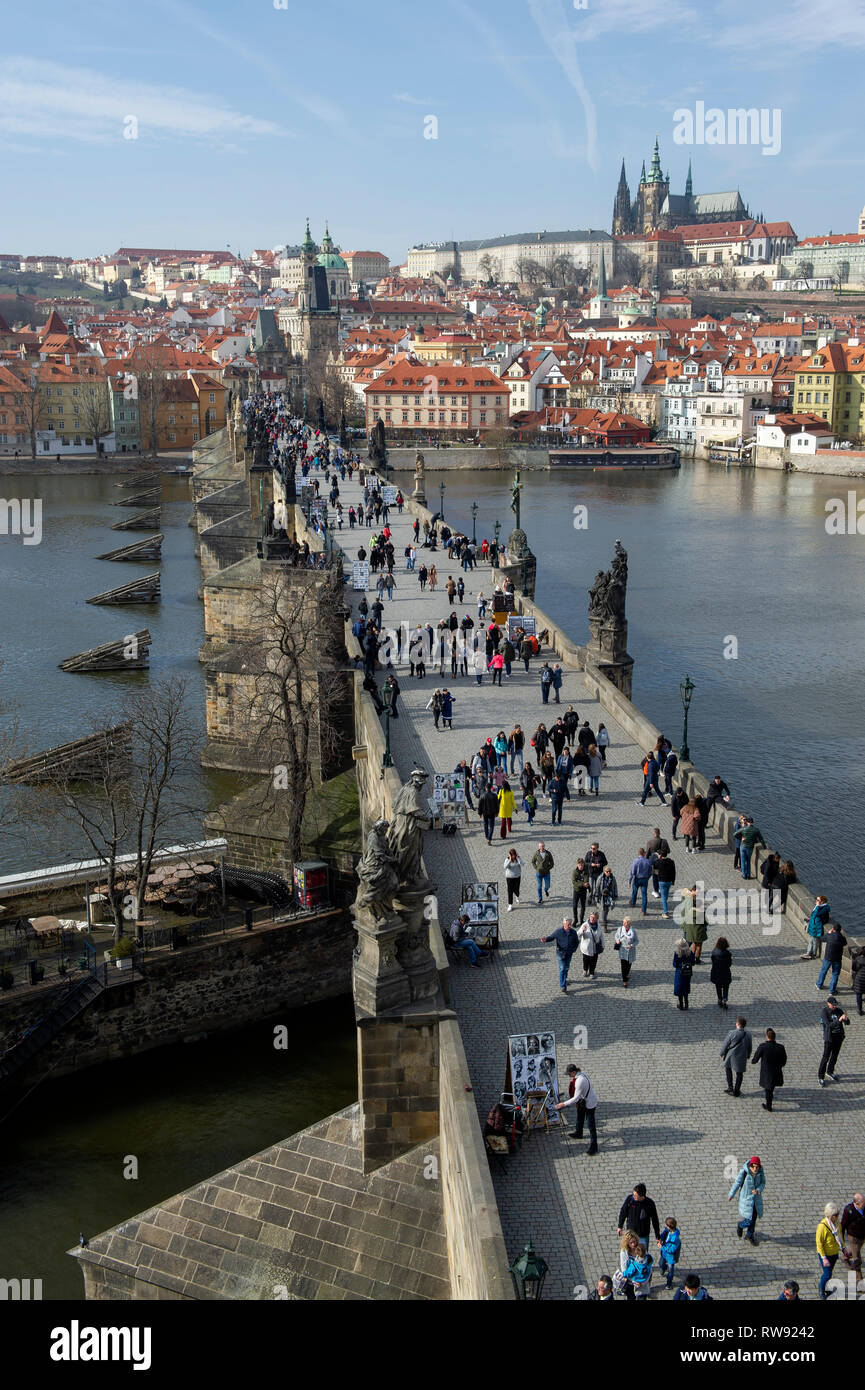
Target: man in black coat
488, 809
639, 1214
773, 1059
558, 736
834, 1021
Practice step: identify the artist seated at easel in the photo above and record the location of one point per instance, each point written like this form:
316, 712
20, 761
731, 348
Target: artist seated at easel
461, 934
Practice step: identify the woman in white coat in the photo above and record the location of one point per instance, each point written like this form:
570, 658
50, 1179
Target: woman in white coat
625, 942
591, 938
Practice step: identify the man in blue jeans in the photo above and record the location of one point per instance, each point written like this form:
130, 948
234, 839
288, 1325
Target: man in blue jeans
460, 938
833, 953
542, 863
747, 837
566, 940
638, 877
650, 779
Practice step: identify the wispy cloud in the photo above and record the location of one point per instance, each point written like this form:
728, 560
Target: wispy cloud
49, 99
511, 66
624, 18
807, 26
409, 100
282, 76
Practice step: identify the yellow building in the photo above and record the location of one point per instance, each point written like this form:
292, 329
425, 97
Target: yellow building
830, 383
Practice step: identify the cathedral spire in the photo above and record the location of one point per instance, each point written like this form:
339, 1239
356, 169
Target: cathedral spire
643, 173
602, 275
655, 175
689, 187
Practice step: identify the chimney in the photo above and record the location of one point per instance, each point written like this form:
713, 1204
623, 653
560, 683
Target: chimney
66, 358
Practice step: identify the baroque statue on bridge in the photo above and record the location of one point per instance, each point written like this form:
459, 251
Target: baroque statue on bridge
377, 873
411, 817
607, 594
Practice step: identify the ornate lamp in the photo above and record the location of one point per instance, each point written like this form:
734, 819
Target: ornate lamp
528, 1274
442, 501
474, 520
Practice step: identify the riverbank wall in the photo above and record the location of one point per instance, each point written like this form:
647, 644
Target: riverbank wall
183, 995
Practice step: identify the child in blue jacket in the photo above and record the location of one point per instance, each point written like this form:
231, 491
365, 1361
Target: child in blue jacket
670, 1246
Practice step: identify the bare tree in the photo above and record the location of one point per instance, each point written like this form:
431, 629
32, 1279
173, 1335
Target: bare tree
133, 802
32, 403
563, 272
628, 266
150, 380
299, 721
93, 405
530, 272
489, 268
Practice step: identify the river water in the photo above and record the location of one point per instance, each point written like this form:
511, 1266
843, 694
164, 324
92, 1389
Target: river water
184, 1112
715, 554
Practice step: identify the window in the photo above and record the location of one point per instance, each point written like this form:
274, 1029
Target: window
387, 414
194, 438
483, 400
464, 416
453, 417
172, 439
405, 415
213, 398
417, 417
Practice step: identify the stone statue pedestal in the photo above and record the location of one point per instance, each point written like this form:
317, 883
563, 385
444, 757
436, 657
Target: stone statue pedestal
413, 948
378, 978
607, 649
517, 563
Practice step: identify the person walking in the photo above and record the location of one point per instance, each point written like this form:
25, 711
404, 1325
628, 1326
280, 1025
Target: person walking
558, 790
433, 578
749, 1183
557, 682
591, 944
773, 1059
516, 745
450, 588
833, 1021
580, 882
651, 772
546, 682
448, 701
833, 955
500, 744
392, 685
390, 584
671, 763
665, 876
625, 942
816, 928
858, 975
670, 1246
581, 1093
513, 877
543, 864
497, 666
689, 824
596, 862
683, 969
526, 652
638, 1214
488, 809
680, 800
749, 837
606, 894
638, 876
735, 1051
596, 767
829, 1245
461, 588
721, 972
566, 942
508, 654
482, 606
435, 704
506, 809
540, 740
422, 575
853, 1231
638, 1272
603, 742
694, 921
547, 769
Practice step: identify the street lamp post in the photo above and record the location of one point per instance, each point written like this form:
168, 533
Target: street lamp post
474, 520
496, 529
442, 501
387, 760
686, 690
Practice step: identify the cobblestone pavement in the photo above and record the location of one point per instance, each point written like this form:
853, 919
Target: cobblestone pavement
663, 1116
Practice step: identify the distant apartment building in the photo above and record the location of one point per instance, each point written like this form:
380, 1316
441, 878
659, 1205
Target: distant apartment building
438, 398
831, 385
475, 260
366, 267
837, 258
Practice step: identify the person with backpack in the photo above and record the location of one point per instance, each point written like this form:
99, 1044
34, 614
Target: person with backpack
833, 955
638, 1272
683, 969
546, 682
651, 771
638, 876
516, 744
670, 1246
591, 944
671, 762
526, 652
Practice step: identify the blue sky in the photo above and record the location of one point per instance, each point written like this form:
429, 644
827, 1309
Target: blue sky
250, 117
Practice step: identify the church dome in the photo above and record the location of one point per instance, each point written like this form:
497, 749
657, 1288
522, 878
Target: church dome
329, 257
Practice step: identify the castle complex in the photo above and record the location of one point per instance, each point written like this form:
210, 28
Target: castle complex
655, 208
